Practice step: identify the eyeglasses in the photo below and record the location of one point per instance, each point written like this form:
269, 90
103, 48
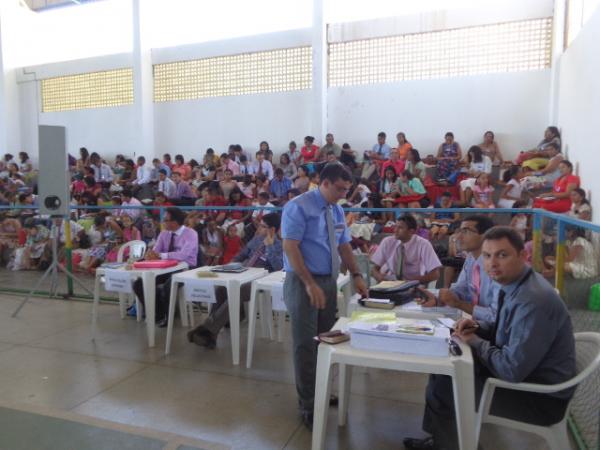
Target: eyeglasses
467, 230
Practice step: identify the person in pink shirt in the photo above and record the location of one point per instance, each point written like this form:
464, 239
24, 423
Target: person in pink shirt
405, 256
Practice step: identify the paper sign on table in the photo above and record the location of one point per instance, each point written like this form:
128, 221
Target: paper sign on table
118, 281
199, 290
277, 298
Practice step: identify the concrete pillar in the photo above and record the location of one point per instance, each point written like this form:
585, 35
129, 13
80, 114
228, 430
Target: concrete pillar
143, 88
558, 45
319, 72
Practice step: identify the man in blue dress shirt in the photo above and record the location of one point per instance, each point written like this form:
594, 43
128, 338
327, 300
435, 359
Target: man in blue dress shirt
474, 291
530, 341
315, 235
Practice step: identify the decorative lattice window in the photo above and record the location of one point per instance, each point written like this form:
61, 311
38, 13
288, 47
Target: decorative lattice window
504, 47
249, 73
88, 90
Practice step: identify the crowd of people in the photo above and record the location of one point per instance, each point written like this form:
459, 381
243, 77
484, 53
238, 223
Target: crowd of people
392, 176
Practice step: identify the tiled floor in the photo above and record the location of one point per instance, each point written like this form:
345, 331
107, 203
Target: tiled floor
47, 359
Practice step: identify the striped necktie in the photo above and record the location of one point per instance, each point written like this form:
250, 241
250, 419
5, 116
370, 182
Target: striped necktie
333, 250
476, 281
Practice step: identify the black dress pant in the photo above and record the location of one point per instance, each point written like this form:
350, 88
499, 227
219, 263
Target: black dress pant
163, 292
529, 407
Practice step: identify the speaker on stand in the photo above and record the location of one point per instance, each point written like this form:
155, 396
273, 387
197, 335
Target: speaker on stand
54, 200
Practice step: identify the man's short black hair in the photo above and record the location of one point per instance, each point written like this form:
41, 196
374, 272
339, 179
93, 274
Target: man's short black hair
163, 171
263, 195
381, 134
272, 220
279, 171
409, 220
335, 171
127, 193
500, 232
141, 158
483, 223
176, 214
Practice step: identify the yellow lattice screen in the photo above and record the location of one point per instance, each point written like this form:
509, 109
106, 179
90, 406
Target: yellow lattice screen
505, 47
88, 90
250, 73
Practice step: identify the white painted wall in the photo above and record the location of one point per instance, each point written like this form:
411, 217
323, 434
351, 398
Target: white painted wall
579, 105
513, 105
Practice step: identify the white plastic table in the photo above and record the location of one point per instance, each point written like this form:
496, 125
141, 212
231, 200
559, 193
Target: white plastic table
460, 368
148, 277
409, 310
260, 289
232, 282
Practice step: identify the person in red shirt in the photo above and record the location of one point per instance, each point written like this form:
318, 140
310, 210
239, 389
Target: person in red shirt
212, 197
394, 161
232, 243
559, 199
309, 152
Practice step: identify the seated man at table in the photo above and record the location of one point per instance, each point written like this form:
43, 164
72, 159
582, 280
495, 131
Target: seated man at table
176, 242
263, 250
473, 291
530, 341
405, 256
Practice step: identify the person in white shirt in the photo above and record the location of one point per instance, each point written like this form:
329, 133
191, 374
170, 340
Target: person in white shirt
261, 166
143, 173
166, 185
129, 200
478, 164
102, 172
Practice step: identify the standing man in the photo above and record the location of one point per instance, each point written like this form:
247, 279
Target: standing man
315, 235
531, 340
176, 242
474, 291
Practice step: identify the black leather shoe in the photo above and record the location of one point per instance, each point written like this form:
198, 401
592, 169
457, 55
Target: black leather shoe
333, 400
162, 323
203, 337
307, 420
418, 444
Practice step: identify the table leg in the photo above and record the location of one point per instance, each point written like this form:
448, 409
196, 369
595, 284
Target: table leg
347, 292
463, 383
233, 296
172, 300
322, 392
95, 306
345, 381
149, 281
184, 308
251, 325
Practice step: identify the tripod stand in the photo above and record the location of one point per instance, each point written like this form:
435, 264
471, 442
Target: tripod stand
52, 270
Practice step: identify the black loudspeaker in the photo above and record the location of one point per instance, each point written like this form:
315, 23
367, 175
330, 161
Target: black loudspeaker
54, 177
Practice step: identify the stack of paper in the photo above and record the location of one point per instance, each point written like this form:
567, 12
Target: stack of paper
385, 332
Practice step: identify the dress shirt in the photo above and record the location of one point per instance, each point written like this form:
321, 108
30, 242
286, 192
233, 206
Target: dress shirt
383, 150
103, 173
133, 213
267, 169
168, 188
143, 175
464, 289
419, 257
304, 220
534, 340
273, 254
185, 245
280, 188
183, 190
234, 167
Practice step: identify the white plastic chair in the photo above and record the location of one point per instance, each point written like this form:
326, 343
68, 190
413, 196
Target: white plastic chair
137, 250
555, 435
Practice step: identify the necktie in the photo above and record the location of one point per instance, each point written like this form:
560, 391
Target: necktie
400, 251
476, 281
171, 243
335, 260
260, 169
380, 148
258, 254
501, 295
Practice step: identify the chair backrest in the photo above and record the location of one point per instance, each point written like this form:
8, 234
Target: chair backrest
137, 249
587, 356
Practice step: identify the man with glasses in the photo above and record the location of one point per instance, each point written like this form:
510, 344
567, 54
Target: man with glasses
406, 256
263, 250
473, 292
176, 242
315, 235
